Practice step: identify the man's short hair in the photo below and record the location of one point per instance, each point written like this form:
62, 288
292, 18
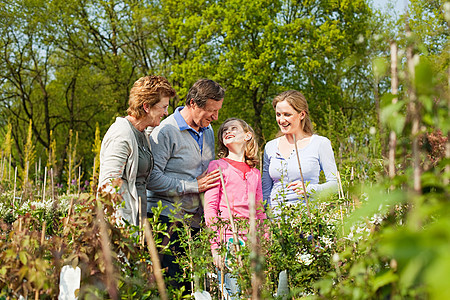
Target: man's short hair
203, 90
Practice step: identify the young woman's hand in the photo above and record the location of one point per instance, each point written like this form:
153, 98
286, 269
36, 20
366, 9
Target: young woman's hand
297, 187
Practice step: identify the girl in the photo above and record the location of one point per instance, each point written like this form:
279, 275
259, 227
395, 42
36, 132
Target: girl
238, 152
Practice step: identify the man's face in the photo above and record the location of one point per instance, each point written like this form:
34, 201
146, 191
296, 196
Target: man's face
203, 116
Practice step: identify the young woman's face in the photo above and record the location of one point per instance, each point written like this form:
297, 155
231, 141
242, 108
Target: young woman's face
288, 119
233, 133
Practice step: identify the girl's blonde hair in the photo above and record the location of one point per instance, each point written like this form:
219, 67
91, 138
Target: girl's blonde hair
251, 147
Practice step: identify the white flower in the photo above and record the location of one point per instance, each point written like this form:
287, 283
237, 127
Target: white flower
306, 259
328, 242
360, 230
376, 219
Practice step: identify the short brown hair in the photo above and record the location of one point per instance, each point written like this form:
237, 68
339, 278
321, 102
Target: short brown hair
251, 148
204, 89
299, 104
150, 90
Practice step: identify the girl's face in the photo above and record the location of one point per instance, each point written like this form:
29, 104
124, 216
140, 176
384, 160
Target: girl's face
234, 133
288, 119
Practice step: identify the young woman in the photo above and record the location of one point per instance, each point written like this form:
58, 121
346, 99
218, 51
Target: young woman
125, 152
281, 178
238, 151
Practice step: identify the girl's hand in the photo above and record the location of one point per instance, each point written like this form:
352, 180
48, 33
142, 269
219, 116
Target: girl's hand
297, 187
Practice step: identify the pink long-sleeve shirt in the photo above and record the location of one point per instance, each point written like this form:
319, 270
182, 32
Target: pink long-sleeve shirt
239, 187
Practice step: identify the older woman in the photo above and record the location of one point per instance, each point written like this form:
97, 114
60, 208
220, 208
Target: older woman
281, 180
125, 152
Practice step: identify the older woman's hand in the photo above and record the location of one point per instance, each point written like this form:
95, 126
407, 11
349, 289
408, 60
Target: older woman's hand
297, 187
208, 180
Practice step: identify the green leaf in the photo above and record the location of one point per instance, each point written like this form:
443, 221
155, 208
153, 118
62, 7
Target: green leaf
382, 280
424, 77
392, 116
23, 257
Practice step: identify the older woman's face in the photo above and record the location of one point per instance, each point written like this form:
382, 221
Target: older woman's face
288, 119
158, 111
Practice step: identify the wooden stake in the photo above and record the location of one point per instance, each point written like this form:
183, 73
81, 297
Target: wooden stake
2, 163
155, 260
15, 182
79, 179
415, 117
394, 90
52, 183
44, 184
340, 189
305, 194
141, 225
69, 212
35, 174
447, 145
111, 283
9, 170
43, 232
233, 227
256, 278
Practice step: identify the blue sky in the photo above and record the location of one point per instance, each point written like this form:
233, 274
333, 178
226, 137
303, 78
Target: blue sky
399, 4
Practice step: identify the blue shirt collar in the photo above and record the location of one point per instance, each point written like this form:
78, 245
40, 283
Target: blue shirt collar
182, 122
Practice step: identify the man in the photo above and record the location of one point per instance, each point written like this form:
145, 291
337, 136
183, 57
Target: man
183, 146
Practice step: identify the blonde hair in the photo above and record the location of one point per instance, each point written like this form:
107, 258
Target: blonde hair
148, 90
299, 104
251, 147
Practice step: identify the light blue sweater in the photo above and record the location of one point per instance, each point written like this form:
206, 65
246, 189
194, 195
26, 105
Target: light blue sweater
178, 162
278, 172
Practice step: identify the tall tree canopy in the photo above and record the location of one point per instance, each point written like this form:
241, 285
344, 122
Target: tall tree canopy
67, 65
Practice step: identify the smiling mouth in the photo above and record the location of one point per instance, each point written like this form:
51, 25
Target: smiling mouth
229, 136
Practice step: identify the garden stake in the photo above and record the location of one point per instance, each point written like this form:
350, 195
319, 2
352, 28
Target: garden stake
45, 181
256, 278
43, 232
15, 181
53, 186
2, 162
394, 89
35, 174
414, 115
69, 211
340, 189
221, 263
141, 232
79, 179
9, 170
107, 256
191, 264
304, 189
155, 260
233, 228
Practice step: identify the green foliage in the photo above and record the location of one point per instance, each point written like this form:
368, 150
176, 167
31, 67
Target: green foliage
66, 65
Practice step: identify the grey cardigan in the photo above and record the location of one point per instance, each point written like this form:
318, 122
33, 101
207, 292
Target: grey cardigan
178, 162
119, 157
